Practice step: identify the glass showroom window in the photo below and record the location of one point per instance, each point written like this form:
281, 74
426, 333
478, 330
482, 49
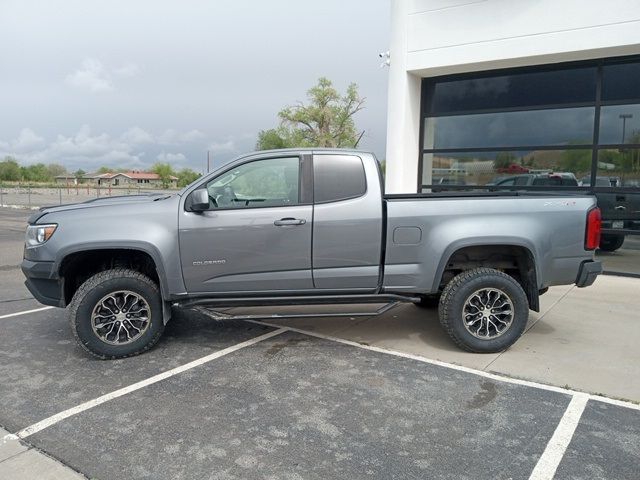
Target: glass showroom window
496, 170
536, 125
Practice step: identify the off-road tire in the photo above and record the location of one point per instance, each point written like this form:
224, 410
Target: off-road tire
95, 288
611, 243
460, 288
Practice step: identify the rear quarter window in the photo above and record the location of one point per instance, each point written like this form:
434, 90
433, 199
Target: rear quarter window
337, 177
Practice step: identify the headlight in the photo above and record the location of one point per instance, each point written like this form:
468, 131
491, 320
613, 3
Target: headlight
38, 234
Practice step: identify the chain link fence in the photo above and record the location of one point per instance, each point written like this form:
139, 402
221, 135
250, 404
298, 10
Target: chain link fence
30, 196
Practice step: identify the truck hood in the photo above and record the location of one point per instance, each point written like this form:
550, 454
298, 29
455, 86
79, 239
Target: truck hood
100, 202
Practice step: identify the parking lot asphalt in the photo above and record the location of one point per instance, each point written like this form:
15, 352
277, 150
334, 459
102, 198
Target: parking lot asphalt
237, 403
595, 453
14, 296
295, 406
43, 371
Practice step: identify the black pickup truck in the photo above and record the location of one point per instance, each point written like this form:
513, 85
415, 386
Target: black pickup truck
620, 207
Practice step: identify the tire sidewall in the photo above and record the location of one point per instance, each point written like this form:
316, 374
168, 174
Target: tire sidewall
82, 320
611, 243
511, 288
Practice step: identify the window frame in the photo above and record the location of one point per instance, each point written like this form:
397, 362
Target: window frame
313, 183
428, 88
305, 189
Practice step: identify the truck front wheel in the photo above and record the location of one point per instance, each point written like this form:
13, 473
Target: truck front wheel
483, 310
116, 313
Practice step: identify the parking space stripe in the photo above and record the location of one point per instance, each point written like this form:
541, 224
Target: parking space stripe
47, 422
548, 463
473, 371
25, 312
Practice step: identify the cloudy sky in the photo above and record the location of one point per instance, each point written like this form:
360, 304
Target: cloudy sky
128, 83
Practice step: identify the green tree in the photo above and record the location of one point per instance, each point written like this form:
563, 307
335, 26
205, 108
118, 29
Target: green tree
576, 161
326, 121
106, 169
9, 170
35, 173
186, 176
165, 172
53, 169
273, 139
79, 173
383, 167
503, 160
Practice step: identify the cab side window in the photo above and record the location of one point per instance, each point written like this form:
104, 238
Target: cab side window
507, 183
272, 182
338, 177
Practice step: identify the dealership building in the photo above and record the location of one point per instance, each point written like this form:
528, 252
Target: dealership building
520, 95
499, 91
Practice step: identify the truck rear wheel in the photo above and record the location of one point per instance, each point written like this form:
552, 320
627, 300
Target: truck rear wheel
611, 243
117, 313
483, 310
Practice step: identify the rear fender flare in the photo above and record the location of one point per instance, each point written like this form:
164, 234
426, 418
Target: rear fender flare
480, 242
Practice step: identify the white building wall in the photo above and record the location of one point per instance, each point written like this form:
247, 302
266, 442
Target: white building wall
439, 37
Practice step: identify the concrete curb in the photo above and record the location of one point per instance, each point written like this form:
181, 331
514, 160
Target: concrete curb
19, 460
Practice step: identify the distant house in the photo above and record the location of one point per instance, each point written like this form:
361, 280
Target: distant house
67, 179
71, 179
118, 179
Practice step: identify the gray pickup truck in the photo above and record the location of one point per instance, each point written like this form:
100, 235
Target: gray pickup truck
306, 227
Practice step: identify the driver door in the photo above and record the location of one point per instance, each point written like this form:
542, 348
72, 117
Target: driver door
256, 234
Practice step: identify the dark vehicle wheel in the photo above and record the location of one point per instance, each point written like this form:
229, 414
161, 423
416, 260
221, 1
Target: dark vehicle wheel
483, 310
429, 301
117, 313
611, 243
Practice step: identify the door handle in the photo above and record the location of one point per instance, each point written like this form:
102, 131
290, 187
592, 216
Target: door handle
289, 221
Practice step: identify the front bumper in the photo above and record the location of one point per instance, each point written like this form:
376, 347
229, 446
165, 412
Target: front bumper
43, 282
588, 272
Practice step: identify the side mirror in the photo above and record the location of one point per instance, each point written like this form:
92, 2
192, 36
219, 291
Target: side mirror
200, 200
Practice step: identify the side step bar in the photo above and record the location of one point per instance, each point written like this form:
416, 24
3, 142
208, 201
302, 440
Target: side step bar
293, 300
207, 306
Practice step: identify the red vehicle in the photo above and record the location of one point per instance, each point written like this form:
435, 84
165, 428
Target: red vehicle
513, 168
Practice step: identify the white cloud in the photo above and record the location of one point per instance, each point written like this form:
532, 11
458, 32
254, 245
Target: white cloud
95, 77
83, 149
228, 146
27, 139
89, 151
92, 150
137, 135
191, 136
127, 70
92, 76
173, 137
171, 158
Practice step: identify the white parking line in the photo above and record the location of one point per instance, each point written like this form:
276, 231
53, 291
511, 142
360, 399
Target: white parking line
25, 312
481, 373
550, 459
47, 422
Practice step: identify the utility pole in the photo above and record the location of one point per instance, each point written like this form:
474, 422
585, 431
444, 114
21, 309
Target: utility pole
624, 117
208, 163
